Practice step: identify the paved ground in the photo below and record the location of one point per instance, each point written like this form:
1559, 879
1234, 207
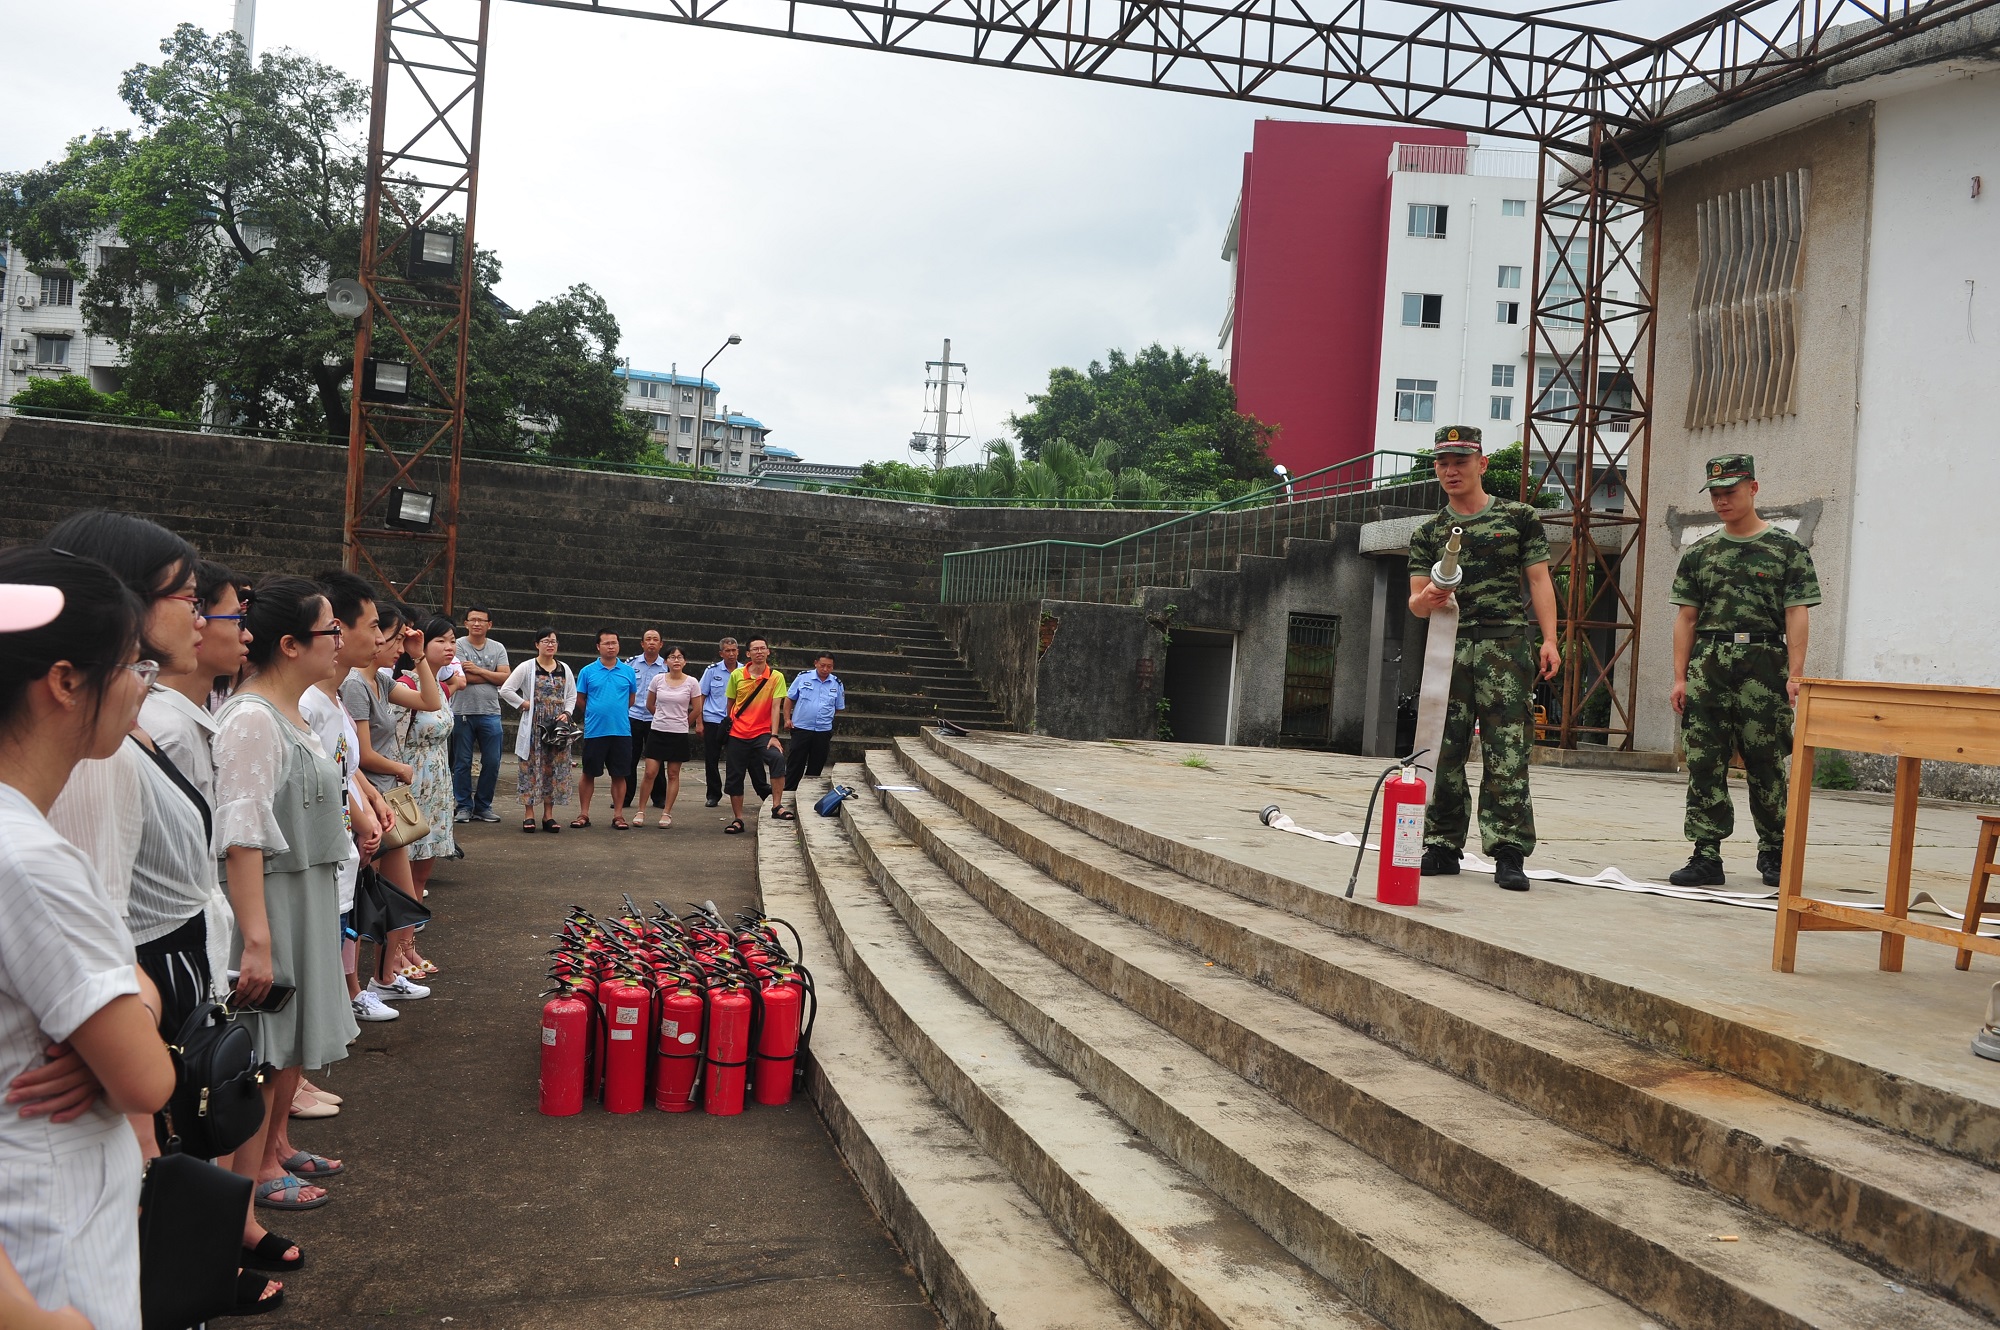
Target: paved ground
1916, 1023
464, 1206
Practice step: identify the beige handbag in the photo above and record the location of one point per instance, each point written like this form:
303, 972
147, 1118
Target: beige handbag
410, 826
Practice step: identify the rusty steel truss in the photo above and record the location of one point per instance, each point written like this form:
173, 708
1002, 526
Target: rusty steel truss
1600, 104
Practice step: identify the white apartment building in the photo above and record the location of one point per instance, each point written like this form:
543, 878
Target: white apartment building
41, 325
683, 418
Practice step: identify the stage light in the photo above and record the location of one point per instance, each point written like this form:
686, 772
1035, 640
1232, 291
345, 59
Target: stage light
411, 510
384, 381
431, 255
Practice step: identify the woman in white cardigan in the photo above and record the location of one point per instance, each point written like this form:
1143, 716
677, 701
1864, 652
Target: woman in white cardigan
541, 690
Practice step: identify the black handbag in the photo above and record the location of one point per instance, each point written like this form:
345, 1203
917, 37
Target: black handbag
380, 909
218, 1099
190, 1240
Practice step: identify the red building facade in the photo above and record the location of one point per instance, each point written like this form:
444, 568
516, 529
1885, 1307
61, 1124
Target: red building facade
1309, 246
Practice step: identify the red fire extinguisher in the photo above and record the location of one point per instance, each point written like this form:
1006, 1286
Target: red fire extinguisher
679, 1059
782, 998
565, 1050
728, 1051
1402, 856
627, 1006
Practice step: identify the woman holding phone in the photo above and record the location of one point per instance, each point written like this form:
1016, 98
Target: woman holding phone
280, 825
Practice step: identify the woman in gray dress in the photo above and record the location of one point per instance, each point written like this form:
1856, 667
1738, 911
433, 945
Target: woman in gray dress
280, 827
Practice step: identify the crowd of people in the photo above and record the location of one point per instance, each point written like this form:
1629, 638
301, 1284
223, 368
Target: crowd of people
200, 782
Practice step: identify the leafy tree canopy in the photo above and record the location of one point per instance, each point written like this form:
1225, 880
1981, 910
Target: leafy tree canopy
233, 203
1503, 475
70, 397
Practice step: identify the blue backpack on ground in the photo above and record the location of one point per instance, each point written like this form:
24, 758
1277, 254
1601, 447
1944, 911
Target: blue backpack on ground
828, 804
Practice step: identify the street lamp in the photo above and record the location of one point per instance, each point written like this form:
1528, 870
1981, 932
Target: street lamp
701, 407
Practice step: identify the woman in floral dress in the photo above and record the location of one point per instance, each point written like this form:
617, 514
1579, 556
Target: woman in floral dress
427, 748
541, 690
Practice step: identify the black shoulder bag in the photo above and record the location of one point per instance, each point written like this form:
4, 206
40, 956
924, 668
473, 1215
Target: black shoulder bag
218, 1099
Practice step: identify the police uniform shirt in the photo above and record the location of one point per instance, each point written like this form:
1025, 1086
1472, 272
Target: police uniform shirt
814, 700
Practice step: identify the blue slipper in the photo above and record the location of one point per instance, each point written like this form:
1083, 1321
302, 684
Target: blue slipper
283, 1194
306, 1164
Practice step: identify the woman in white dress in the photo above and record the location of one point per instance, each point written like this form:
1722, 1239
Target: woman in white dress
70, 691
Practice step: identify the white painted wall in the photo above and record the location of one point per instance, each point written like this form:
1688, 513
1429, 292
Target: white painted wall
1922, 600
1477, 242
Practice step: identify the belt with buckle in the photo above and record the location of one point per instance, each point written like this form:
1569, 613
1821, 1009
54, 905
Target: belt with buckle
1742, 639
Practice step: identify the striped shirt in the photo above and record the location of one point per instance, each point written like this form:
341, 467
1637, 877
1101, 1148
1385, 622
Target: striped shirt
173, 875
185, 733
68, 1191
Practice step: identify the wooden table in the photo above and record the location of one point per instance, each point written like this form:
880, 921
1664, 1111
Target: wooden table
1910, 722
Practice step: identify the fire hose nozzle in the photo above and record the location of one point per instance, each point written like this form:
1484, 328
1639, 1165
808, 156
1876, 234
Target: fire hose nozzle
1446, 573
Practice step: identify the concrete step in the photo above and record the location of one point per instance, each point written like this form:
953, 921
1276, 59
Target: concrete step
1401, 1253
1627, 1227
1170, 1246
988, 1255
1929, 1217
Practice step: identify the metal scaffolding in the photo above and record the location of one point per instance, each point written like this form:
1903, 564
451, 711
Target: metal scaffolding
1597, 101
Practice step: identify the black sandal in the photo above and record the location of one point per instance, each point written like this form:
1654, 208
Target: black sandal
269, 1254
735, 827
783, 814
528, 825
551, 826
251, 1299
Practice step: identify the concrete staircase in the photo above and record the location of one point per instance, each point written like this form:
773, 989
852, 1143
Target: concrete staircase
1104, 1078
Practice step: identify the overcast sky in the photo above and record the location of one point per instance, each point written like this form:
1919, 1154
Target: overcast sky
842, 211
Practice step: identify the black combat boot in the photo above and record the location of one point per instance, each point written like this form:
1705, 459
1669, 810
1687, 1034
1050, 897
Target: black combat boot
1769, 862
1703, 870
1507, 871
1439, 862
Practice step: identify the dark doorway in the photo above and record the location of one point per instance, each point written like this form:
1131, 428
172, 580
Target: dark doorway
1310, 643
1199, 665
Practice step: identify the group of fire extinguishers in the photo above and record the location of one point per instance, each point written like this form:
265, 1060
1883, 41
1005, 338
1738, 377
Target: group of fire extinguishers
691, 1006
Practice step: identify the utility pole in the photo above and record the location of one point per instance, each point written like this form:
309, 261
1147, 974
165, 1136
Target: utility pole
943, 439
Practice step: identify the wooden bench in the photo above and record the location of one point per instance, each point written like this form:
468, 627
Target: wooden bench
1910, 722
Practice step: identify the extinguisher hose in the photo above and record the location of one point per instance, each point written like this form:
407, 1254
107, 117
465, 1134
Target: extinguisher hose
798, 952
1368, 818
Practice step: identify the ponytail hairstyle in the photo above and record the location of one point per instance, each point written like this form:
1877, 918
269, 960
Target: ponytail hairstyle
149, 559
280, 607
97, 629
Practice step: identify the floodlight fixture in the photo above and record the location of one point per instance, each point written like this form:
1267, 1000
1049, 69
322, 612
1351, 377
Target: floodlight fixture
411, 510
385, 381
431, 255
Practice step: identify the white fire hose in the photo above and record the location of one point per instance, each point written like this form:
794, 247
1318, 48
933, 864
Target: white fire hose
1434, 696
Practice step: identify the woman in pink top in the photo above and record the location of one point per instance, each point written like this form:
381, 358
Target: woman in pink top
676, 715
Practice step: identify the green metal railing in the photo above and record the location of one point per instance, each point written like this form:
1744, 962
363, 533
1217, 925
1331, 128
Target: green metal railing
1210, 538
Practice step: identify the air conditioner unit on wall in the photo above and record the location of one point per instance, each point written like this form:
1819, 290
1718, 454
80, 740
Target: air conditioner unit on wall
25, 301
20, 367
23, 345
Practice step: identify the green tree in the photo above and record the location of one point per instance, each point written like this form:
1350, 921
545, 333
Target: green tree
70, 397
1503, 475
1168, 413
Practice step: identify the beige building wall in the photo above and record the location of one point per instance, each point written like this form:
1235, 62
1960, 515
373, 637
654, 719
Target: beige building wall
1805, 461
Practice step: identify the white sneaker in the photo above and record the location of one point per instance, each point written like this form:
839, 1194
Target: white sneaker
397, 990
368, 1007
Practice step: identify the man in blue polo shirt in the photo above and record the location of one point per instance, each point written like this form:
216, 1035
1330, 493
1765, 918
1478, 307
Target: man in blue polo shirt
648, 665
809, 706
715, 714
605, 689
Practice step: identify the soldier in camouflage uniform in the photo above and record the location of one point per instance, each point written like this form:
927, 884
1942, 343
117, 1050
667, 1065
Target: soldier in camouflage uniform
1494, 664
1739, 650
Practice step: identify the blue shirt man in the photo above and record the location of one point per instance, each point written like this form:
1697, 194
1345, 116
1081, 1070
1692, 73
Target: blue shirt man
715, 714
811, 702
606, 689
647, 666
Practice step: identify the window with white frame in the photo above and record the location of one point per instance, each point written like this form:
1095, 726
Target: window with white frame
1422, 311
1416, 399
662, 424
1553, 396
1510, 277
687, 394
1513, 207
687, 424
58, 288
1507, 311
1500, 408
1427, 220
1503, 376
51, 350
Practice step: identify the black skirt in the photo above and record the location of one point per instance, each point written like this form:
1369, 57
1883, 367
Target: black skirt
664, 746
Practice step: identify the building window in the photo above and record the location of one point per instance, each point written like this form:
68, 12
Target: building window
1557, 397
687, 424
1427, 220
58, 288
687, 394
1500, 408
736, 433
1503, 376
1513, 207
1507, 311
663, 424
1510, 277
1422, 311
51, 350
1416, 399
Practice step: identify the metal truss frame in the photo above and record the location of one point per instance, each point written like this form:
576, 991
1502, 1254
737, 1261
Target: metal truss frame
430, 59
1598, 102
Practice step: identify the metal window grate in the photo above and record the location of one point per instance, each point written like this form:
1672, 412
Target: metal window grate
1751, 244
1311, 641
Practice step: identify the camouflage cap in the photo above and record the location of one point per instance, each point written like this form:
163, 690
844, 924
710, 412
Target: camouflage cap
1451, 439
1728, 469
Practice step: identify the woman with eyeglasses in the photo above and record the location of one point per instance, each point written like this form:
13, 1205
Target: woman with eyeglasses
281, 826
70, 997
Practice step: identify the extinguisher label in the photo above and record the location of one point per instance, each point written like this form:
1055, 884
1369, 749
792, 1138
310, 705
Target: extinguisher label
548, 1034
626, 1016
1408, 851
687, 1036
621, 1034
668, 1029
